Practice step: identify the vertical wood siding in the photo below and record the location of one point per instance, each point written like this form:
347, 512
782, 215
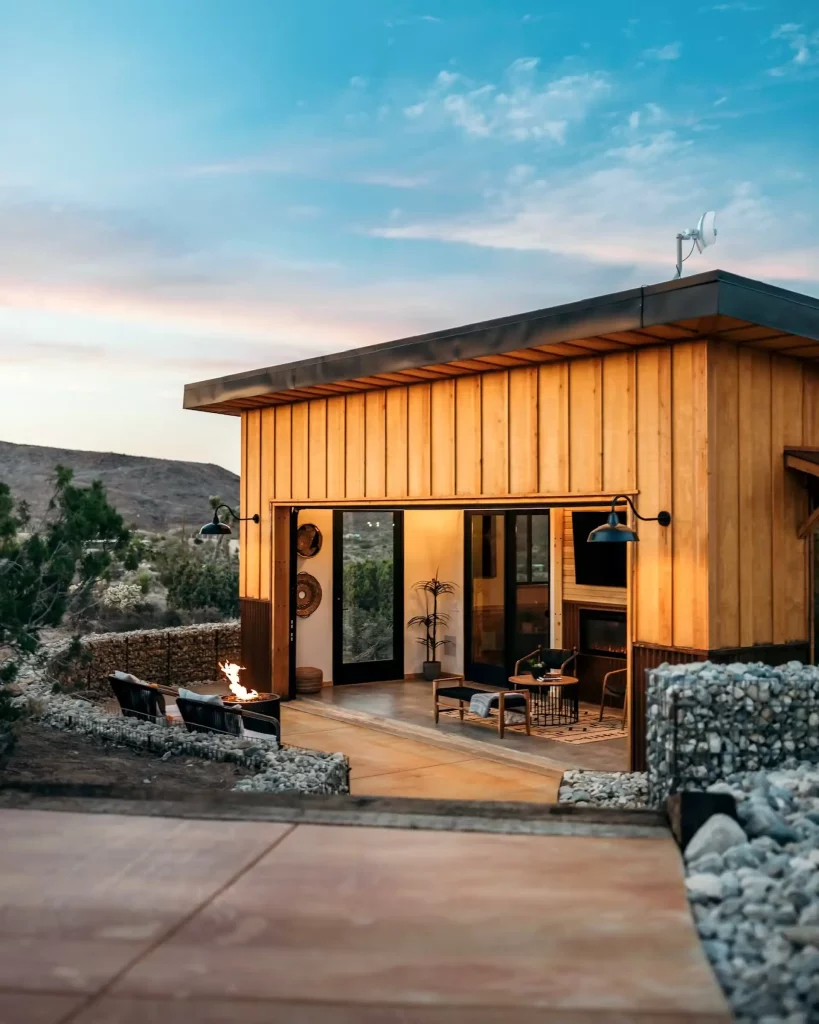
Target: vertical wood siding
695, 428
758, 403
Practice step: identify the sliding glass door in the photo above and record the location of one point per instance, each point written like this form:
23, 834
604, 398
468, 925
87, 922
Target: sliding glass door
507, 591
368, 596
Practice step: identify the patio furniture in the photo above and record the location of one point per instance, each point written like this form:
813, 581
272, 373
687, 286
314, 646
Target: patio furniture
137, 699
208, 715
555, 699
552, 658
616, 688
454, 688
553, 703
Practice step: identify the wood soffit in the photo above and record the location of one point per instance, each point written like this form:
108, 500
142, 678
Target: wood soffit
714, 305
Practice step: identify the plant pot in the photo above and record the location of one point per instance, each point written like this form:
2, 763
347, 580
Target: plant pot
431, 670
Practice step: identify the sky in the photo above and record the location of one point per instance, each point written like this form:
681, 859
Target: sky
190, 188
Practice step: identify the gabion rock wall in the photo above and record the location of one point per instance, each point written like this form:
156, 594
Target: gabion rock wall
707, 721
187, 654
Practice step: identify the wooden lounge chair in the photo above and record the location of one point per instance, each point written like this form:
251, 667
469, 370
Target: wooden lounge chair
137, 699
615, 688
454, 688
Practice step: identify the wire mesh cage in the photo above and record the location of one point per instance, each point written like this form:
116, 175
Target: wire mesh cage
706, 722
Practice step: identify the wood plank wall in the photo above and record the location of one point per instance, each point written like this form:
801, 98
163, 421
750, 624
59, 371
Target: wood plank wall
758, 403
696, 428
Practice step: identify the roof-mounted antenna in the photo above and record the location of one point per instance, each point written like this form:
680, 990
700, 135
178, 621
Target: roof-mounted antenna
703, 235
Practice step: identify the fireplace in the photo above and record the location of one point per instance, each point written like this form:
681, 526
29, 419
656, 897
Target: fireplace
602, 633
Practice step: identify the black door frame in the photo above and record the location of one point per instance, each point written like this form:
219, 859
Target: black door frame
495, 675
372, 671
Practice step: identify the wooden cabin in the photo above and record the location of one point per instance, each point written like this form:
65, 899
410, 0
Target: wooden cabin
486, 452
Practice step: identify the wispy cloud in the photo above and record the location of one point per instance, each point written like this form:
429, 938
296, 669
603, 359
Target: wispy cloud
671, 51
319, 161
391, 179
738, 6
522, 107
804, 47
623, 210
430, 19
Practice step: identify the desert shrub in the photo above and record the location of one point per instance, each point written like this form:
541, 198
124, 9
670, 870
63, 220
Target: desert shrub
123, 596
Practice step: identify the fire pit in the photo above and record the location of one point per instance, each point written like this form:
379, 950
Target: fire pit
249, 700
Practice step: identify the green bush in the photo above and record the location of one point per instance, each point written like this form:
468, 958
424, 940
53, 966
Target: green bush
195, 584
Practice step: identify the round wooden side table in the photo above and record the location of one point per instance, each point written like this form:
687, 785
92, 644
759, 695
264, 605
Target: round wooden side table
554, 699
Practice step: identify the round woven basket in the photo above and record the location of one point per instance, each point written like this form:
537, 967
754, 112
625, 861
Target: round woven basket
308, 594
308, 680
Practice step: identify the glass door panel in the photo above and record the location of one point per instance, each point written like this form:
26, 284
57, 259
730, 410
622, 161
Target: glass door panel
368, 591
487, 562
507, 589
531, 592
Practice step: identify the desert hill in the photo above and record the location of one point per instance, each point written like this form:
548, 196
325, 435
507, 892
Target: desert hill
150, 494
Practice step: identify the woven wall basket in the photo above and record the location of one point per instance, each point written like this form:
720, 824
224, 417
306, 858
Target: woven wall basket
308, 540
308, 594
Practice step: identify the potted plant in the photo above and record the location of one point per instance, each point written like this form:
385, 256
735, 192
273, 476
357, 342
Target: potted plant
537, 666
431, 620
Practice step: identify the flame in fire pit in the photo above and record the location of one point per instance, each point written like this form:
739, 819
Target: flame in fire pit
231, 671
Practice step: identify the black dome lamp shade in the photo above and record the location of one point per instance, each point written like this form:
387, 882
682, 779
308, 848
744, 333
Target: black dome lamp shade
215, 528
615, 532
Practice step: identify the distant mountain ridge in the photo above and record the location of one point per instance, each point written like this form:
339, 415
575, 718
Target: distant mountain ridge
151, 494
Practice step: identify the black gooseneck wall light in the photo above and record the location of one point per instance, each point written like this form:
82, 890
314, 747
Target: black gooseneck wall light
613, 531
217, 528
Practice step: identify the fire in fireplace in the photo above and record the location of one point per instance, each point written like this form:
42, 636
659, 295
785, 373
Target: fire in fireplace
602, 633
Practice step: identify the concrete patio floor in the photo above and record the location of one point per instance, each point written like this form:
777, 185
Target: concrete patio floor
116, 919
385, 765
410, 701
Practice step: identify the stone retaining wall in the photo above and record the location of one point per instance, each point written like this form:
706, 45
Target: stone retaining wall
707, 721
174, 657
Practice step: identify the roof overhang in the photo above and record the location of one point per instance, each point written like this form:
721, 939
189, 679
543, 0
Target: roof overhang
803, 460
711, 305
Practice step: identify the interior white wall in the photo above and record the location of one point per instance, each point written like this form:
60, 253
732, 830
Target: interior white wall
434, 543
314, 634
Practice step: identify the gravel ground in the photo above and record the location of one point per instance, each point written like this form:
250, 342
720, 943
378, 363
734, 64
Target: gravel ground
604, 789
268, 767
753, 886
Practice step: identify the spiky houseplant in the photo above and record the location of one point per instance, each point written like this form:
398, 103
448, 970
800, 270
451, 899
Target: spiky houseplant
431, 620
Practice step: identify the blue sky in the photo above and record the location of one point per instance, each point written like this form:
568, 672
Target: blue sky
194, 187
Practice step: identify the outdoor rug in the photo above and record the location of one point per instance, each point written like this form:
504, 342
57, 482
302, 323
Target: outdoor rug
587, 730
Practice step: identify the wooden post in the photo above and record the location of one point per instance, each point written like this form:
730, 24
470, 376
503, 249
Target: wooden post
280, 600
556, 576
627, 696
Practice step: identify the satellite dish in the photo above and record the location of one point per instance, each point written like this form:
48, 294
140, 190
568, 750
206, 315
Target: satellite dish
703, 235
706, 231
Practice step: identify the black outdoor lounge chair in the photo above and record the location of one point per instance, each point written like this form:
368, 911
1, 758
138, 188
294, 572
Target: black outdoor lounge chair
200, 716
552, 657
204, 716
137, 699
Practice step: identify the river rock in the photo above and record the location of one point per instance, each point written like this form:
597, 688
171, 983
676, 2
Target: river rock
718, 835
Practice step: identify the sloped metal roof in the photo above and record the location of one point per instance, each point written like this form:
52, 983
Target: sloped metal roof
711, 305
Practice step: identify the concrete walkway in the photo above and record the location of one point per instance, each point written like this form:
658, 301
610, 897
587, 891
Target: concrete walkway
386, 765
115, 919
